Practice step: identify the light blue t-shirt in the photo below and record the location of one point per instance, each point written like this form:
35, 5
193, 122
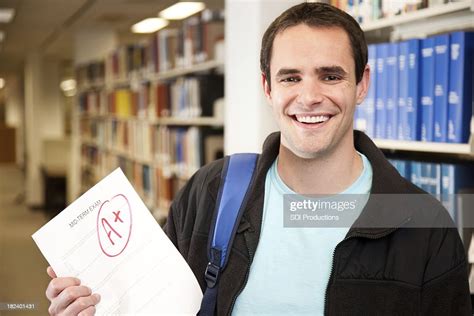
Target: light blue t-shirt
291, 267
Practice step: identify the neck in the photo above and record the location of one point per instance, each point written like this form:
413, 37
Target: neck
328, 173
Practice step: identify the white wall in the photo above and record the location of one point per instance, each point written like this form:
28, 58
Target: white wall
52, 105
14, 112
248, 118
44, 118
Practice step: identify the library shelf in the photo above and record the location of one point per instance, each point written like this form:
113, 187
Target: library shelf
136, 78
418, 146
91, 85
178, 72
418, 15
195, 121
172, 121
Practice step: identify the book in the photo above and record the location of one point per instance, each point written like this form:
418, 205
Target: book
371, 94
403, 84
441, 78
427, 88
413, 107
416, 173
460, 97
364, 119
381, 93
194, 96
213, 31
392, 92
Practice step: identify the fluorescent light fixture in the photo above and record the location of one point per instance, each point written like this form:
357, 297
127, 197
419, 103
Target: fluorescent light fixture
2, 83
149, 25
6, 15
2, 36
181, 10
68, 85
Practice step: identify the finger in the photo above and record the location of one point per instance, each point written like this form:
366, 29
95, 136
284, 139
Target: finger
51, 272
82, 304
89, 311
66, 297
69, 295
57, 285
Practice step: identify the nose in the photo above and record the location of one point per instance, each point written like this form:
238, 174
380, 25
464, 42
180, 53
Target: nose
310, 93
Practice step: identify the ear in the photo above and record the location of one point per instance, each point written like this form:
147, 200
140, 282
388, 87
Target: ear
266, 87
363, 85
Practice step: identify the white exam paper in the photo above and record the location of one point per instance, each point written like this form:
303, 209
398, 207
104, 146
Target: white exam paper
110, 241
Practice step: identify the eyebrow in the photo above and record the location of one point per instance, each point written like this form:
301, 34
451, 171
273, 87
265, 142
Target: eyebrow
338, 70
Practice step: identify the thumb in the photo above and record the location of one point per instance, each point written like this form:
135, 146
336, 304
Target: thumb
51, 272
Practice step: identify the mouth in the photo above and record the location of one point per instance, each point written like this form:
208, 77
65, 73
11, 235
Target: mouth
311, 120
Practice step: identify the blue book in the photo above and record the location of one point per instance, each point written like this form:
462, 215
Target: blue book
413, 107
427, 88
435, 179
409, 90
460, 96
403, 168
415, 173
364, 118
447, 189
359, 119
425, 177
441, 87
371, 94
179, 150
403, 83
391, 106
381, 92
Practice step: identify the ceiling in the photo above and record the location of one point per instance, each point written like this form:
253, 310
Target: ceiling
48, 26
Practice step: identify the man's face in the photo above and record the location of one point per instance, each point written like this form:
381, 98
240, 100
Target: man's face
313, 89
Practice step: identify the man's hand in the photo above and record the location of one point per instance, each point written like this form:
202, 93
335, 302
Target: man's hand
69, 297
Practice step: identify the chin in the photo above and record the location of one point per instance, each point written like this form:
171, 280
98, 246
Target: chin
308, 151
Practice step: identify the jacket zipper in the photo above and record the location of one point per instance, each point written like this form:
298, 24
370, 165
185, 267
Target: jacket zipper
355, 235
234, 299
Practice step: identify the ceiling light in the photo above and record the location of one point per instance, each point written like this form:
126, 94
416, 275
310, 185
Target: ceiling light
6, 15
2, 36
68, 85
2, 83
149, 25
181, 10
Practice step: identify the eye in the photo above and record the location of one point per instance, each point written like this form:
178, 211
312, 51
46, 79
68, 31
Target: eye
290, 79
331, 78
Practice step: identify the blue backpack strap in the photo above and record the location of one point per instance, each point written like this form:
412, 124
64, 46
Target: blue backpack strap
236, 177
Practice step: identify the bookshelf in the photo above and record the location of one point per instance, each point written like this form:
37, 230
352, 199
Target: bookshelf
173, 121
430, 147
153, 108
442, 165
435, 12
419, 24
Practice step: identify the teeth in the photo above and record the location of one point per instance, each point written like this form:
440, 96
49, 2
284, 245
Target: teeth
312, 119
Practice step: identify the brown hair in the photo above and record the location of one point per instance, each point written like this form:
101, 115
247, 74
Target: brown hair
316, 15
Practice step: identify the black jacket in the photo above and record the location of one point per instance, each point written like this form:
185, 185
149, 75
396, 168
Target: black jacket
376, 271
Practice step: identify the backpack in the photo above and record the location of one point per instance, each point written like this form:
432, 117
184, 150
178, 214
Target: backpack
236, 178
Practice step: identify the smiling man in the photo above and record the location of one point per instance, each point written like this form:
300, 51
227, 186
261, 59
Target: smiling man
314, 73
